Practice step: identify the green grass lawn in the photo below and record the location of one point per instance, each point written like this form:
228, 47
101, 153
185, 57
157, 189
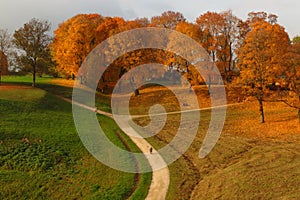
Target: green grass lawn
42, 157
57, 86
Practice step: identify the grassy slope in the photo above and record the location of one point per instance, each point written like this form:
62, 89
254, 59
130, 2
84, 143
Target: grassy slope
253, 160
55, 165
250, 161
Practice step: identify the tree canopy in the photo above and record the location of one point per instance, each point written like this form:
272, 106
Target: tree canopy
260, 59
253, 54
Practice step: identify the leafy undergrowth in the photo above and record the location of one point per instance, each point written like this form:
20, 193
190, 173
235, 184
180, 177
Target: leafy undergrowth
36, 156
42, 156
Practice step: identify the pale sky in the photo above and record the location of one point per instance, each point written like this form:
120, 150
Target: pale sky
14, 13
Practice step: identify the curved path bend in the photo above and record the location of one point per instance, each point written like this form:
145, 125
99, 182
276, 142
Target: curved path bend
160, 178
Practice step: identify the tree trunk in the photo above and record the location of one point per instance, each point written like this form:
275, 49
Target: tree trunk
299, 111
209, 84
136, 92
33, 76
261, 109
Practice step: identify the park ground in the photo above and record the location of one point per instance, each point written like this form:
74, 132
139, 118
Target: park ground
250, 161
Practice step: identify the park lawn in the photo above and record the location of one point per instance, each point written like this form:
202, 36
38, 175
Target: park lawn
42, 156
57, 86
250, 160
149, 95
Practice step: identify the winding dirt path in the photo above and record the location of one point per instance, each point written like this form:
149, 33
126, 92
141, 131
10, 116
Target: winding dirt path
160, 178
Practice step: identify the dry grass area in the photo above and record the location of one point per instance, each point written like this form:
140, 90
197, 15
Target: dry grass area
5, 86
185, 99
63, 82
250, 161
20, 92
281, 121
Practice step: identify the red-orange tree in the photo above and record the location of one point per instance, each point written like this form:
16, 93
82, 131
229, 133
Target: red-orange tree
73, 41
222, 34
291, 75
168, 19
260, 60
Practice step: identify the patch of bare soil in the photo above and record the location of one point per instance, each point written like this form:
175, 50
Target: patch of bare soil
5, 86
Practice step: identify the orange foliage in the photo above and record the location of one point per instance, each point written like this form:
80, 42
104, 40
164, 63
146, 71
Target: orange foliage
73, 41
260, 59
167, 19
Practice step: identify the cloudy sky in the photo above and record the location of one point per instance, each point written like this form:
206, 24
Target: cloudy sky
14, 13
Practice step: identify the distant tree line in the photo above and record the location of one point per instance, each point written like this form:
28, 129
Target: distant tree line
255, 56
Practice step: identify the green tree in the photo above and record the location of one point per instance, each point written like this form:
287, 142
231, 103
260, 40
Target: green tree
296, 39
32, 39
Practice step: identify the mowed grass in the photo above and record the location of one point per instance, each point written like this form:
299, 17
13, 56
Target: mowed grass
250, 160
58, 86
42, 156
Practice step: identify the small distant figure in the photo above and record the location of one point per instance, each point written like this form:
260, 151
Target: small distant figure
151, 149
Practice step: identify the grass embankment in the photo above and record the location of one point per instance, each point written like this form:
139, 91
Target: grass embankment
42, 156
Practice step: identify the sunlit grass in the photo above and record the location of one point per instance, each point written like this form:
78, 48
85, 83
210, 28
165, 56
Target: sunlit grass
21, 94
250, 161
55, 164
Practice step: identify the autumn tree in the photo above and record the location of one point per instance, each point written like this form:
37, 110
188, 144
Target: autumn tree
254, 17
222, 34
5, 45
210, 24
5, 41
180, 64
109, 27
32, 39
289, 88
73, 41
231, 37
260, 58
168, 19
112, 26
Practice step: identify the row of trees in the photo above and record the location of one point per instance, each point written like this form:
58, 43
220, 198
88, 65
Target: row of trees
255, 56
219, 33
